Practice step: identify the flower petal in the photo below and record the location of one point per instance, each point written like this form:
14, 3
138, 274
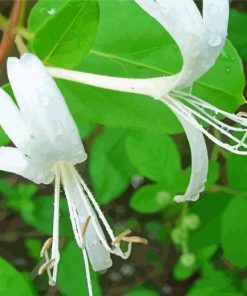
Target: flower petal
215, 23
199, 39
44, 110
12, 160
199, 162
183, 21
11, 121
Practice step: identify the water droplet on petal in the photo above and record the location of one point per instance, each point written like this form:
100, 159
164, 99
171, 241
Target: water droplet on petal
215, 40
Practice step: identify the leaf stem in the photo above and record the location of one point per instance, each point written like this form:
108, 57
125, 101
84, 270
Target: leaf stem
8, 39
23, 32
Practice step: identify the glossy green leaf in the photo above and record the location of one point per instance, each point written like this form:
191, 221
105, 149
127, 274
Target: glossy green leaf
209, 208
215, 283
109, 167
72, 276
154, 155
41, 11
234, 228
236, 167
67, 35
150, 199
12, 282
237, 31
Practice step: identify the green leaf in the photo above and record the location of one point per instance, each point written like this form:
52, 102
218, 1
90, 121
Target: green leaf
209, 208
117, 109
41, 217
141, 291
142, 48
36, 211
4, 139
72, 276
12, 282
182, 273
33, 247
154, 155
109, 167
151, 199
215, 283
42, 11
236, 167
237, 32
66, 36
156, 230
234, 228
85, 129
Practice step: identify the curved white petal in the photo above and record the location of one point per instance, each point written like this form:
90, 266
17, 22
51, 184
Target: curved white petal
199, 39
215, 24
199, 162
11, 121
44, 110
183, 21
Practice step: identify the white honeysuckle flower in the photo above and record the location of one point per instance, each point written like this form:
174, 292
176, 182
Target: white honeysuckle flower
48, 147
200, 38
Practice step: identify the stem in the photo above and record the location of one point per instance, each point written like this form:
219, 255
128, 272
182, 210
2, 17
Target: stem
8, 39
218, 188
23, 32
21, 46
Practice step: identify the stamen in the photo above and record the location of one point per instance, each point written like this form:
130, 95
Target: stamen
46, 265
135, 239
85, 226
121, 236
46, 246
186, 112
242, 114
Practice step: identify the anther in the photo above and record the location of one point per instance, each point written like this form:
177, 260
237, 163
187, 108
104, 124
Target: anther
135, 239
46, 246
242, 114
121, 236
45, 266
85, 226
